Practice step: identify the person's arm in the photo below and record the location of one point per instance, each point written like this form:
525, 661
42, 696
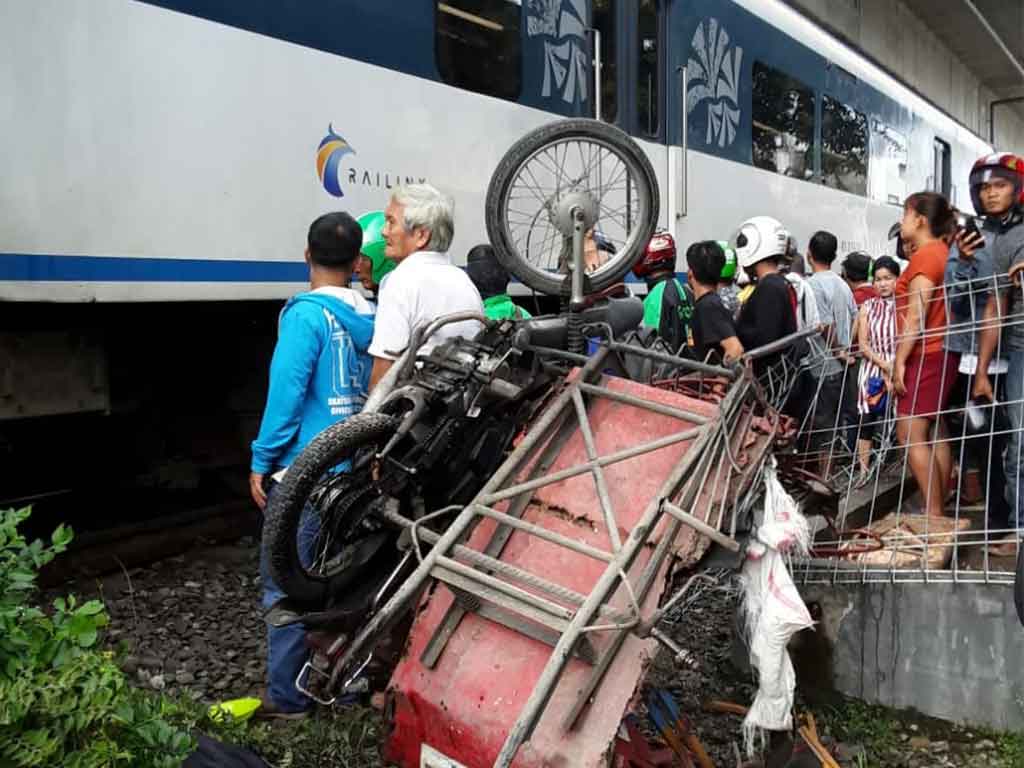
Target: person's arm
988, 339
291, 368
392, 329
721, 330
1014, 275
381, 365
732, 349
913, 328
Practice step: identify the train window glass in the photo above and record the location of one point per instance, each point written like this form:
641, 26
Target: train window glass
783, 123
942, 182
648, 44
604, 24
844, 147
478, 46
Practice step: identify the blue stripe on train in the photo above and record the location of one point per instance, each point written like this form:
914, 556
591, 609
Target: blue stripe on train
132, 269
121, 269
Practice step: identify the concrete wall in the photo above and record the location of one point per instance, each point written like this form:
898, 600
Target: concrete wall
948, 650
889, 32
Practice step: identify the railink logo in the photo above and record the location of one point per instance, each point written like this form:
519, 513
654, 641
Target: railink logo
561, 24
714, 76
328, 157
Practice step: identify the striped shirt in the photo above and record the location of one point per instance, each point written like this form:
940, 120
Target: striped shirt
881, 317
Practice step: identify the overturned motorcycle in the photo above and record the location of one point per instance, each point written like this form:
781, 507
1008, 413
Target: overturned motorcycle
523, 504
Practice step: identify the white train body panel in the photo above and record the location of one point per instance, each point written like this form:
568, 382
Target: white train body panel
156, 156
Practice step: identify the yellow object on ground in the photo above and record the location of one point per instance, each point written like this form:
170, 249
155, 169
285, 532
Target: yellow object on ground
237, 709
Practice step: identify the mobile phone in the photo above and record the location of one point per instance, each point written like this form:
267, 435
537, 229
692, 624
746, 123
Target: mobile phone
968, 225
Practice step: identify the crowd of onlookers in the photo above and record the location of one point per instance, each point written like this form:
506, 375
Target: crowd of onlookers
926, 345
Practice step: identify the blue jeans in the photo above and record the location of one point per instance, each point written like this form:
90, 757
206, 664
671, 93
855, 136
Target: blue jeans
286, 646
1012, 464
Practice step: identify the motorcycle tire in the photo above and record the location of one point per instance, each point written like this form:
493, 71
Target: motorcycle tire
613, 140
284, 512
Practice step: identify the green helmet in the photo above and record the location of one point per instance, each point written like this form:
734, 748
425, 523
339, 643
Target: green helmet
729, 268
373, 244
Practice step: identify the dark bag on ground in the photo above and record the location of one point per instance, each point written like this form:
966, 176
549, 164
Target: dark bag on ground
211, 753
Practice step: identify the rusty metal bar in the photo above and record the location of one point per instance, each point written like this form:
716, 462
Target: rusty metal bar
647, 405
679, 362
590, 446
699, 525
779, 344
470, 579
543, 533
580, 469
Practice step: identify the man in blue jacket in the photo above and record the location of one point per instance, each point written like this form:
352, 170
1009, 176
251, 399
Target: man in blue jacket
318, 376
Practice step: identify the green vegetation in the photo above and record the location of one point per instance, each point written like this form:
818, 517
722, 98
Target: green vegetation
889, 735
63, 701
876, 728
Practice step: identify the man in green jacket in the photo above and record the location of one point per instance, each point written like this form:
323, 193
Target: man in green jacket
668, 308
491, 279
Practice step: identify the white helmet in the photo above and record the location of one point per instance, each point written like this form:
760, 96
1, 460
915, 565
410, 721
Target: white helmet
759, 238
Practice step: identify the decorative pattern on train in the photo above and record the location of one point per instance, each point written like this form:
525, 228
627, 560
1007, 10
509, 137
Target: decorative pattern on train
713, 76
561, 24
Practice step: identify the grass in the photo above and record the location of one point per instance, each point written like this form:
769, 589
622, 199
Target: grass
873, 727
878, 730
1009, 749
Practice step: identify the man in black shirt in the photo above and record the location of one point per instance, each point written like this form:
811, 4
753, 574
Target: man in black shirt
769, 314
713, 334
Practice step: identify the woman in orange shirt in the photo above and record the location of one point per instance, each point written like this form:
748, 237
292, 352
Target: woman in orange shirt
924, 372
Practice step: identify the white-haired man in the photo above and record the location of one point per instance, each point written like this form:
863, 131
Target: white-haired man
418, 229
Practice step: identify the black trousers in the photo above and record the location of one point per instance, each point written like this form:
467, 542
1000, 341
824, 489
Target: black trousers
984, 451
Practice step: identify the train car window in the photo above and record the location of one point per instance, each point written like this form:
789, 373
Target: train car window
604, 23
844, 147
783, 123
942, 183
648, 45
478, 46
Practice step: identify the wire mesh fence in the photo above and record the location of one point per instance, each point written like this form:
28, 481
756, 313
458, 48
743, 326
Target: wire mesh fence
914, 473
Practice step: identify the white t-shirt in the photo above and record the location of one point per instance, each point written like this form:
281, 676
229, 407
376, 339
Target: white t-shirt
423, 287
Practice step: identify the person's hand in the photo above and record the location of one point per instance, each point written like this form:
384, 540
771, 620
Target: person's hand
898, 374
256, 490
968, 244
887, 380
982, 389
1015, 272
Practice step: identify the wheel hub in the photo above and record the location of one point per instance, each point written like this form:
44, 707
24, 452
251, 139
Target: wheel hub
562, 211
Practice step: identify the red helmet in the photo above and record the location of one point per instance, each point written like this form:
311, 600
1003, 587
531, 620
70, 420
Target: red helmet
1005, 165
660, 254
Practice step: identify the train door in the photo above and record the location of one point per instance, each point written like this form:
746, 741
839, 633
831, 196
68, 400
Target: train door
632, 85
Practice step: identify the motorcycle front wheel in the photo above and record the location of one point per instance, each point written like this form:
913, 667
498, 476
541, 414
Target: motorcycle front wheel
349, 539
571, 162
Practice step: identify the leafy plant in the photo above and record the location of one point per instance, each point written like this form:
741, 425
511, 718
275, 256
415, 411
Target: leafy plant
63, 701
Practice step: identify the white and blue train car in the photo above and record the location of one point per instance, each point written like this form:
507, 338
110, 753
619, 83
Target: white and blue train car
175, 150
162, 160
